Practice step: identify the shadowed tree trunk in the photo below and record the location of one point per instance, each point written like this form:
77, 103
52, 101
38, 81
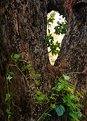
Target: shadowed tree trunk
73, 54
23, 31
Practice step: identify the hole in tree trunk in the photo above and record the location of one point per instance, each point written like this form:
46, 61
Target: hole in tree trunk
56, 29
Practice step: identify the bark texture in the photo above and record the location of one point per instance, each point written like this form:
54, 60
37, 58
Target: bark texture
23, 31
73, 54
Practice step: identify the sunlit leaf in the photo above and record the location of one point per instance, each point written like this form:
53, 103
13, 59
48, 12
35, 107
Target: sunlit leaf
66, 77
52, 106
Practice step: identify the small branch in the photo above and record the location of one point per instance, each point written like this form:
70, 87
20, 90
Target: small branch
11, 65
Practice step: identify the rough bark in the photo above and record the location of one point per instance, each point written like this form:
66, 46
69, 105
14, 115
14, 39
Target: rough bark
23, 31
72, 58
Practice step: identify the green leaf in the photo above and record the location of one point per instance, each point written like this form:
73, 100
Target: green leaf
27, 67
74, 116
15, 57
37, 83
35, 75
66, 77
68, 100
60, 110
52, 98
40, 98
69, 90
59, 86
52, 106
79, 94
38, 92
8, 97
8, 111
10, 76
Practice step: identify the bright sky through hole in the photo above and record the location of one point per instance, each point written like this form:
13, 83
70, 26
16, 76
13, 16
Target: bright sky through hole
58, 38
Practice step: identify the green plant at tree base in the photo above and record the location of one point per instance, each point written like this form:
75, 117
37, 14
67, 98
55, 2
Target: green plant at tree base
63, 100
9, 96
22, 66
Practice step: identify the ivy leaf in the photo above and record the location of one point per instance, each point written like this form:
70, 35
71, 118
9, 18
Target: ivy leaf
8, 97
60, 87
8, 111
60, 110
27, 67
52, 106
9, 76
75, 115
69, 90
40, 98
38, 92
15, 57
37, 83
66, 77
52, 98
35, 75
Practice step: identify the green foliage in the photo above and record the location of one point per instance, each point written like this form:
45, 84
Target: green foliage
52, 106
60, 28
63, 99
51, 18
15, 57
35, 75
8, 97
37, 83
40, 97
9, 113
65, 93
9, 76
54, 47
22, 66
26, 67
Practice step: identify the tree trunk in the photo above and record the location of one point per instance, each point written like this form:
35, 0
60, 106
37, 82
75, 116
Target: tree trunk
23, 31
72, 58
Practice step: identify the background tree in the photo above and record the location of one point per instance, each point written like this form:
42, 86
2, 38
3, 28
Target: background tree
23, 30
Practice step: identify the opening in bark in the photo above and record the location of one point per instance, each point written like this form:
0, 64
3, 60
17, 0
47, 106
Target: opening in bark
56, 29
